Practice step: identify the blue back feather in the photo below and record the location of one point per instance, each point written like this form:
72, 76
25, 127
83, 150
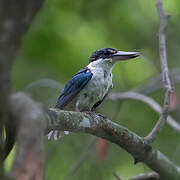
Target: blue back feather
73, 87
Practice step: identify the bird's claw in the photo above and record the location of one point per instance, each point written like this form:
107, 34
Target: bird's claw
57, 134
92, 113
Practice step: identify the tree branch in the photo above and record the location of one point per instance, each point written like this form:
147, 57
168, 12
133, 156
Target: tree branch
54, 119
83, 157
165, 74
30, 119
147, 100
154, 83
104, 128
117, 176
15, 19
146, 176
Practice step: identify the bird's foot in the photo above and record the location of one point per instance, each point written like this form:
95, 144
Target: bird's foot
56, 134
89, 112
92, 113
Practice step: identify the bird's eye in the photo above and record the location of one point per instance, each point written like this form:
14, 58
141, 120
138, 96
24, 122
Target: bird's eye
112, 51
102, 53
109, 52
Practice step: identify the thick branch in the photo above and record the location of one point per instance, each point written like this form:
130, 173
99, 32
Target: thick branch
30, 120
165, 74
147, 100
15, 19
104, 128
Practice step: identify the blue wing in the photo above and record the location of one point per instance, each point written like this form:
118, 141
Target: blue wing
73, 87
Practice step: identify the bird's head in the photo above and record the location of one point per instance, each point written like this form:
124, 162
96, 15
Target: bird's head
112, 55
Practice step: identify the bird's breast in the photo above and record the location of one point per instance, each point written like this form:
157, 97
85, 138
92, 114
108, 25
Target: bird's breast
101, 82
96, 88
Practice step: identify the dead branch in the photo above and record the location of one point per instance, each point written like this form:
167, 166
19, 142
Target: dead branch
144, 176
147, 100
165, 74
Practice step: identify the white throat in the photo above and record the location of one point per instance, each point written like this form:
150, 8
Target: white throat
105, 64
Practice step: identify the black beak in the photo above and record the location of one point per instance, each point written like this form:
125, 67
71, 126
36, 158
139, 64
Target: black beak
122, 55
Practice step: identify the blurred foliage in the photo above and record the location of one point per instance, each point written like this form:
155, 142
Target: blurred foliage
59, 43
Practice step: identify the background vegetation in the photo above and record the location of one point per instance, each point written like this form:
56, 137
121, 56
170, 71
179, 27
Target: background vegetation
59, 43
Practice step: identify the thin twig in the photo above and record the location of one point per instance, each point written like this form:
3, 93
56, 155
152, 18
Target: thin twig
143, 176
82, 158
146, 176
117, 176
149, 101
165, 74
154, 84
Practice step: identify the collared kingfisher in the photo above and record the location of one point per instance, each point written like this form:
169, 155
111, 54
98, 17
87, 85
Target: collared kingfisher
87, 89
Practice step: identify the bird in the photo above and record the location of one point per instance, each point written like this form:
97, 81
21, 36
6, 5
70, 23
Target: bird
88, 88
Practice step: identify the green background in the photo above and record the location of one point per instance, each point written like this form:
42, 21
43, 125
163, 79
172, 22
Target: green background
60, 42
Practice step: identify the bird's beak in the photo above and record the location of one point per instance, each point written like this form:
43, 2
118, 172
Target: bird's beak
122, 55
